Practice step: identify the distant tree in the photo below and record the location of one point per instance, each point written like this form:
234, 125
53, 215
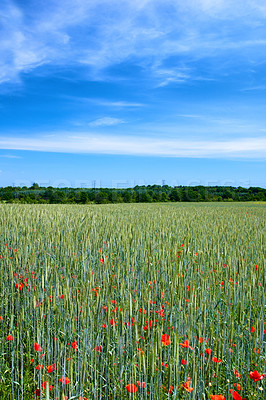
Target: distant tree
164, 197
227, 194
34, 186
71, 197
58, 196
83, 197
113, 196
91, 195
127, 197
260, 196
7, 197
101, 197
144, 197
145, 194
175, 195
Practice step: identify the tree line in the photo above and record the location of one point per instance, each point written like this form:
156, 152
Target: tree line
137, 194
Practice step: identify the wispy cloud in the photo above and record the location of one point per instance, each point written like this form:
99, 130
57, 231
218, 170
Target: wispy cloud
251, 88
145, 33
106, 121
250, 148
9, 156
104, 102
117, 103
196, 116
167, 76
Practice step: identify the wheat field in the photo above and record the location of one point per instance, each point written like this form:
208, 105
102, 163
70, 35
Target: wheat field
132, 301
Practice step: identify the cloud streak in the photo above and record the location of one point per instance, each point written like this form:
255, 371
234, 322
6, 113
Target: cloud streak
250, 148
106, 121
145, 33
9, 156
103, 102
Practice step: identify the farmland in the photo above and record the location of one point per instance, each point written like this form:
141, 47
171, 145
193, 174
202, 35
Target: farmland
140, 301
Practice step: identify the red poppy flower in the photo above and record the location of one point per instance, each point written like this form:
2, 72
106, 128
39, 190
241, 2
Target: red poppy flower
255, 376
37, 347
149, 324
142, 384
160, 312
170, 390
46, 384
74, 345
184, 362
99, 348
186, 344
145, 328
208, 351
236, 396
237, 386
187, 386
9, 337
216, 360
51, 368
142, 311
19, 286
165, 339
237, 374
131, 388
252, 329
217, 397
64, 380
37, 392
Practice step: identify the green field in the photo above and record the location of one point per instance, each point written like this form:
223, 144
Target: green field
166, 297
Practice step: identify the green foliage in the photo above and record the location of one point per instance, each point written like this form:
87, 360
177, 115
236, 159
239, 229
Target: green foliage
138, 194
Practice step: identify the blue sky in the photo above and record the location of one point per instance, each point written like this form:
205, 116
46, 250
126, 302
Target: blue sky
120, 93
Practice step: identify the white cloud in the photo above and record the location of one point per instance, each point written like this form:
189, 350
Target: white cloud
9, 156
146, 33
251, 148
167, 76
106, 121
103, 102
117, 103
258, 87
198, 116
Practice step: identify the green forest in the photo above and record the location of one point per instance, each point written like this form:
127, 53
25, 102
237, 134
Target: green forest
137, 194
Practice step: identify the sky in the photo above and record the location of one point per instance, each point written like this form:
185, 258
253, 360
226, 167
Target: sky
112, 93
